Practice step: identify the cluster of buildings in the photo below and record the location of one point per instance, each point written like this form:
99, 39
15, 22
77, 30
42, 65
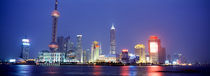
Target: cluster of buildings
62, 50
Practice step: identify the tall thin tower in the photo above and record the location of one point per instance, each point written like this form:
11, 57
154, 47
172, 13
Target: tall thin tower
55, 14
112, 41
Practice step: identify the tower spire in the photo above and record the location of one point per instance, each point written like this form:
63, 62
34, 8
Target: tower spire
112, 27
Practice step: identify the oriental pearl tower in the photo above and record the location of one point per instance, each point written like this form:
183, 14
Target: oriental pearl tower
55, 14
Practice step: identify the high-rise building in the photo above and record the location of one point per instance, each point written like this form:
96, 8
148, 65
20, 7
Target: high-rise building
154, 48
112, 41
140, 51
125, 56
95, 51
55, 14
60, 41
25, 49
64, 44
79, 48
162, 55
67, 44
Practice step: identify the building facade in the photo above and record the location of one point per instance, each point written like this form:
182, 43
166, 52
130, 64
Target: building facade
154, 49
140, 51
95, 49
79, 50
25, 49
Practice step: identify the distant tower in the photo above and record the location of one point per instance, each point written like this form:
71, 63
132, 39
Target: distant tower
25, 48
79, 48
55, 14
140, 51
112, 41
154, 49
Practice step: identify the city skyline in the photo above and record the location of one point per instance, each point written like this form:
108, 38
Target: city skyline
127, 36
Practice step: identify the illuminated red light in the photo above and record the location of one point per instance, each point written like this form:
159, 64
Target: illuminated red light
153, 37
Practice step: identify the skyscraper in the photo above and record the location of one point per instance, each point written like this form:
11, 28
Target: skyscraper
60, 41
112, 41
154, 48
64, 44
55, 14
125, 57
95, 51
79, 48
140, 51
162, 55
25, 48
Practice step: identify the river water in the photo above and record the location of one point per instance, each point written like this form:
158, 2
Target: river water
78, 70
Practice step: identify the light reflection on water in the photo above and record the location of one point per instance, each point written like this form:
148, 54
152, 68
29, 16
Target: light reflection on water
72, 70
153, 70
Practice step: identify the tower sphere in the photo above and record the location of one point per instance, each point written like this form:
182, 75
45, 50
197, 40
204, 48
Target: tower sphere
55, 13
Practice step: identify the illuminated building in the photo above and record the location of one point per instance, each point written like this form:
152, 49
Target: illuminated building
70, 56
55, 14
79, 49
125, 57
46, 56
154, 48
112, 41
162, 56
87, 55
103, 58
140, 51
95, 48
25, 49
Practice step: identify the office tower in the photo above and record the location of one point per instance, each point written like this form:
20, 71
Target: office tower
125, 57
25, 49
79, 49
87, 55
100, 50
67, 44
94, 51
140, 51
162, 55
154, 49
55, 14
60, 42
112, 41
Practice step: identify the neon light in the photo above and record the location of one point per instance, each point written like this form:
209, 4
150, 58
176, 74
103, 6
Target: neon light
12, 60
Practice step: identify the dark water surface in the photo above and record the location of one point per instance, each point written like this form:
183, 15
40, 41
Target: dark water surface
75, 70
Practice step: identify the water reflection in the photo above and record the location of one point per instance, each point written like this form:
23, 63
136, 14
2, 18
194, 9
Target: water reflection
52, 70
125, 70
97, 70
153, 70
24, 69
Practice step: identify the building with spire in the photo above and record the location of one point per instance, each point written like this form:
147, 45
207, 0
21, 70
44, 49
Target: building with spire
112, 41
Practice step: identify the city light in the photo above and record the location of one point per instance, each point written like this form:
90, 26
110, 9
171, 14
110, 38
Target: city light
124, 50
25, 40
27, 44
12, 60
153, 47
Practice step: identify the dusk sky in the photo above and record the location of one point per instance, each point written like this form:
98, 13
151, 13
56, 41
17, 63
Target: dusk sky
181, 25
